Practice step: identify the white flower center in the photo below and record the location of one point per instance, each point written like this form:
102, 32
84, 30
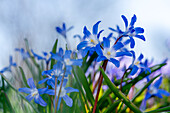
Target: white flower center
63, 91
34, 92
67, 61
93, 41
109, 53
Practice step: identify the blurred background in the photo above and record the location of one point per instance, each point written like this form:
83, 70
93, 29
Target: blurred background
36, 20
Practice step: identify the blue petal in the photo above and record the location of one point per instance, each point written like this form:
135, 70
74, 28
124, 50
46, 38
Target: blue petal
50, 92
70, 28
126, 42
134, 70
140, 57
112, 29
60, 51
158, 95
42, 81
118, 54
161, 91
67, 54
95, 28
40, 101
30, 82
42, 90
64, 26
125, 20
133, 20
110, 35
148, 95
82, 44
77, 62
68, 100
117, 46
56, 57
133, 55
59, 30
158, 82
106, 42
70, 89
86, 32
29, 97
132, 44
139, 30
98, 50
25, 90
98, 35
140, 37
119, 30
101, 58
115, 62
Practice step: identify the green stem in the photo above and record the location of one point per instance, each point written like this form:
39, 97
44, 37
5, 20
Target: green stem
55, 92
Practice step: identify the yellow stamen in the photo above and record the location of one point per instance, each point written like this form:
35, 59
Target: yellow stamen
137, 62
92, 40
108, 53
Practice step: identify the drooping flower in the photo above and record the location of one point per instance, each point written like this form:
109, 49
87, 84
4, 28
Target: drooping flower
153, 90
63, 30
109, 52
34, 93
130, 30
63, 94
90, 40
11, 63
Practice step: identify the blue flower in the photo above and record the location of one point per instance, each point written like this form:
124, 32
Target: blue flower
44, 57
34, 93
90, 40
24, 54
153, 90
63, 94
66, 59
63, 30
11, 63
130, 30
108, 52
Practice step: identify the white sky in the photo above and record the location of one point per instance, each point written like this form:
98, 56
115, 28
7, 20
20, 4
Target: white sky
37, 20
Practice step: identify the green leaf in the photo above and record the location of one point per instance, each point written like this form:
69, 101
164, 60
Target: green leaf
23, 76
119, 94
81, 76
32, 105
160, 110
54, 50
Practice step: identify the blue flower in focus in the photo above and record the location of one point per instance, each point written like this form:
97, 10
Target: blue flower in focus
63, 30
108, 52
34, 93
44, 57
63, 94
90, 40
138, 64
153, 90
130, 30
11, 63
66, 59
23, 53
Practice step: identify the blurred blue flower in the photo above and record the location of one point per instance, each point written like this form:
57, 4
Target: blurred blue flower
66, 59
153, 90
45, 56
63, 94
109, 52
89, 41
63, 30
23, 53
34, 93
11, 63
130, 30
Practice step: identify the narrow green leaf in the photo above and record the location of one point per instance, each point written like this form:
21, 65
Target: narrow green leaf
23, 76
119, 94
81, 76
32, 105
160, 110
54, 50
112, 107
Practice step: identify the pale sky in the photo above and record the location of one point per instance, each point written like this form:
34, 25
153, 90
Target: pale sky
37, 19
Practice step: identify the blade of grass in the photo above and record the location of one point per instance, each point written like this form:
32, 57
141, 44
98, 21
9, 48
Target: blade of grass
23, 76
160, 110
54, 50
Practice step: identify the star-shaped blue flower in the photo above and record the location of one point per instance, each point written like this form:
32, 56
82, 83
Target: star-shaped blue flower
63, 30
34, 93
153, 90
90, 40
11, 63
108, 52
23, 53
